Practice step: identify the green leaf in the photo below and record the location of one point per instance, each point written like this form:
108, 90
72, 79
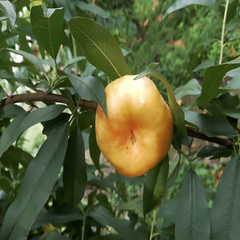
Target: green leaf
74, 174
74, 60
47, 26
179, 4
53, 236
86, 119
225, 212
36, 186
193, 218
26, 120
208, 124
155, 185
56, 218
232, 7
122, 226
214, 152
178, 115
191, 88
134, 204
2, 93
10, 111
7, 8
212, 79
92, 8
173, 176
89, 89
206, 64
31, 58
8, 76
93, 147
16, 155
95, 41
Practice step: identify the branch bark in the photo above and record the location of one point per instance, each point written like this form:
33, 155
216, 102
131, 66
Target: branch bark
45, 97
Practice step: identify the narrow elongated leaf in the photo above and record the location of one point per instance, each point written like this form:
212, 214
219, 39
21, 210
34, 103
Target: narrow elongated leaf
74, 60
173, 176
193, 218
225, 212
155, 185
208, 124
93, 147
16, 155
56, 218
191, 88
178, 115
31, 58
95, 41
184, 3
7, 8
2, 93
92, 8
47, 26
134, 204
53, 236
10, 111
36, 186
74, 174
214, 152
26, 120
212, 79
122, 226
86, 119
89, 89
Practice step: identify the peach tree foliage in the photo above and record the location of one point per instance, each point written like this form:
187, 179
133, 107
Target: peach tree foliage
69, 58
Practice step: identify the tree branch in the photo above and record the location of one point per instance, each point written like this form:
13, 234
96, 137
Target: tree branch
45, 97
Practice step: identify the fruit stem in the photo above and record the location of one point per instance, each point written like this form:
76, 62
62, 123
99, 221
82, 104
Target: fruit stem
223, 31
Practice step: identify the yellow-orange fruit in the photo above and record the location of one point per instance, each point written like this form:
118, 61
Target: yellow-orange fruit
138, 132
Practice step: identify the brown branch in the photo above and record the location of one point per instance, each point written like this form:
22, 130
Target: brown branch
44, 97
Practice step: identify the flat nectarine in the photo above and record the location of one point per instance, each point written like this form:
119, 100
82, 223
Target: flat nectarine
138, 132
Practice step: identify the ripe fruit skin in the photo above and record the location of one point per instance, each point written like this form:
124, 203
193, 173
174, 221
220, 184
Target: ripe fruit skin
138, 132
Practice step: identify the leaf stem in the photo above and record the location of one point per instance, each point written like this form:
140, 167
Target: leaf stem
153, 221
75, 54
223, 31
84, 221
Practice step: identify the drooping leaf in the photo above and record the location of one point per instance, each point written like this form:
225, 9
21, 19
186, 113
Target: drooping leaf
89, 89
208, 124
36, 186
212, 79
155, 185
178, 4
74, 174
122, 226
225, 212
93, 147
10, 111
37, 62
193, 217
178, 115
7, 8
47, 26
92, 8
26, 120
95, 41
191, 88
